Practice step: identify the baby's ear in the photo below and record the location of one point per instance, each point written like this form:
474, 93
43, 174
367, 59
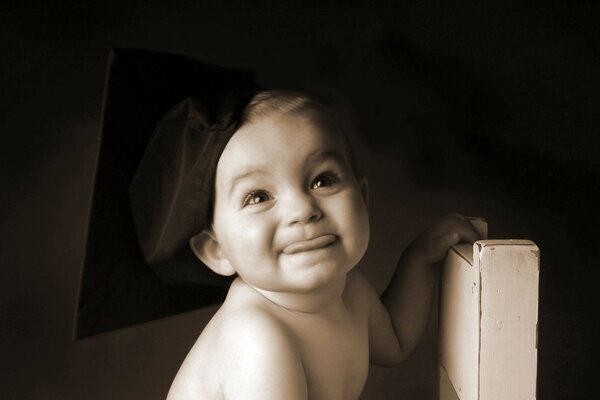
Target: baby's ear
208, 250
364, 189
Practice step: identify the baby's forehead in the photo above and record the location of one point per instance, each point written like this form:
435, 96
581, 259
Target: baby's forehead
283, 138
315, 123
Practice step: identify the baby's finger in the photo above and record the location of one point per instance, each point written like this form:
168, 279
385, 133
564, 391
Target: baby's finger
467, 232
464, 228
480, 226
440, 245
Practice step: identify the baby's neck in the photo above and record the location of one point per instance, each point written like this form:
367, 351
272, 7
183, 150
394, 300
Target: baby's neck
323, 300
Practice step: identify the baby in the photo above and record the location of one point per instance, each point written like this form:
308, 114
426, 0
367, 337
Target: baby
290, 221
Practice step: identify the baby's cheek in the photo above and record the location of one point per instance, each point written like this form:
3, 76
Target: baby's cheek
255, 238
355, 211
359, 225
353, 223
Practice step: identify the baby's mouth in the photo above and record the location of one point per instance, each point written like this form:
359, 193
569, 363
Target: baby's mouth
318, 242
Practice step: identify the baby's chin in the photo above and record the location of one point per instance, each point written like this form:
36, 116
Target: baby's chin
308, 277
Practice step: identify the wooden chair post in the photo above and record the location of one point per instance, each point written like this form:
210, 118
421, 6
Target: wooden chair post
488, 321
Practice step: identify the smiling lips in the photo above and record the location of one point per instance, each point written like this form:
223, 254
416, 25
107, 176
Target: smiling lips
316, 243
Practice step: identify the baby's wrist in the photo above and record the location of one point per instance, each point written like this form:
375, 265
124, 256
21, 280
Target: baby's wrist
417, 253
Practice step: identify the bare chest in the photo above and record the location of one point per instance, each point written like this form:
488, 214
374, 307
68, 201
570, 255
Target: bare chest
335, 356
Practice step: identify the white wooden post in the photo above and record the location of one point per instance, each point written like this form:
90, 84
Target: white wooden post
488, 321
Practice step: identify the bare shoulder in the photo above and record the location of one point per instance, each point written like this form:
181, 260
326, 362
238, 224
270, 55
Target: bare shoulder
260, 356
245, 352
244, 329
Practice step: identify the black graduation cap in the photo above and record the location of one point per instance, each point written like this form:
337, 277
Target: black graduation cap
118, 287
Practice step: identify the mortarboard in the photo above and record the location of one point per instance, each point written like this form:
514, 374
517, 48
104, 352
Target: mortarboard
130, 276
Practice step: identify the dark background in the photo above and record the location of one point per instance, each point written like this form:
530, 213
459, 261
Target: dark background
487, 109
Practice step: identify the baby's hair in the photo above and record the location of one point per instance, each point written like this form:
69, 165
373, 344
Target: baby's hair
269, 102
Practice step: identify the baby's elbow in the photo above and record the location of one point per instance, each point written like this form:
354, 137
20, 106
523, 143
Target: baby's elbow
402, 356
390, 358
386, 362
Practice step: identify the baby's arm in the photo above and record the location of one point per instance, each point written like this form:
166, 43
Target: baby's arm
408, 298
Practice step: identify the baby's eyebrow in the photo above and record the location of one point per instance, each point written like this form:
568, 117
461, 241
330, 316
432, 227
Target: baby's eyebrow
326, 155
318, 156
243, 175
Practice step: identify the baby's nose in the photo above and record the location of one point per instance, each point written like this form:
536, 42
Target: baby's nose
302, 208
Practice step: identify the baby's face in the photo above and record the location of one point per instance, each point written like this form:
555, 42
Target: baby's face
289, 213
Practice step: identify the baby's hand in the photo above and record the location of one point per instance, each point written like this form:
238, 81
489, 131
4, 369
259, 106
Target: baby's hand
433, 244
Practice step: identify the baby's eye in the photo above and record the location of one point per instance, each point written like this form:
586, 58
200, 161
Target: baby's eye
255, 197
324, 180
